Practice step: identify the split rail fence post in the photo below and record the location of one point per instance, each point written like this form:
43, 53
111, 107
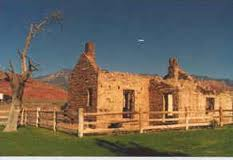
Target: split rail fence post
80, 122
22, 117
221, 117
212, 116
186, 119
54, 119
37, 116
231, 116
140, 120
25, 117
163, 110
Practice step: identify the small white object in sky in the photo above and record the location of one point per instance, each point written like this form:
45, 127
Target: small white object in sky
140, 40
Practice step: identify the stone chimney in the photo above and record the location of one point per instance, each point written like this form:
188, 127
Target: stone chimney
176, 72
90, 49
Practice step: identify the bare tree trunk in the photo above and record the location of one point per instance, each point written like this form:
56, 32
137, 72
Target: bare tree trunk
17, 82
24, 54
12, 122
17, 86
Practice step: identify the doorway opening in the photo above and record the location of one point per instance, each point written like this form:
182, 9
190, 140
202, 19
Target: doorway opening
168, 104
129, 103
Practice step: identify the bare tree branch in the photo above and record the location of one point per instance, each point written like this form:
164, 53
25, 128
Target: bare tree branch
11, 67
54, 17
18, 81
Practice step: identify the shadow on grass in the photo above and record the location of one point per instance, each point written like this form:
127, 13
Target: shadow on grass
134, 149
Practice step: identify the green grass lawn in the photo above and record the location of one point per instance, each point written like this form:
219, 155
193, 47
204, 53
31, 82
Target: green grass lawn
41, 142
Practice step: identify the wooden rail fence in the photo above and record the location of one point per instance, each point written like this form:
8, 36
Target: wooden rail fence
159, 120
113, 122
3, 116
51, 119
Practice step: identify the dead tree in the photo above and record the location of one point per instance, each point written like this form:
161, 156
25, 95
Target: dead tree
18, 81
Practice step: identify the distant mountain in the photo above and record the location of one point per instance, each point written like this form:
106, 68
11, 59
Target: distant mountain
59, 78
226, 81
35, 90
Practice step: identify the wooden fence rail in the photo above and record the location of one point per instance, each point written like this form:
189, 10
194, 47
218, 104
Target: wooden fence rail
50, 119
184, 119
3, 116
113, 122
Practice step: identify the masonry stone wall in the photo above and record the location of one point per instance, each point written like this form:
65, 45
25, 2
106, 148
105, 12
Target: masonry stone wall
110, 91
157, 92
108, 88
187, 97
83, 77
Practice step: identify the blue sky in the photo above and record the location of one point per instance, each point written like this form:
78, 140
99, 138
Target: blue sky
198, 33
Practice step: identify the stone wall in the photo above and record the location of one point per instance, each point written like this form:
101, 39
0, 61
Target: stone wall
195, 101
157, 91
186, 96
83, 77
110, 91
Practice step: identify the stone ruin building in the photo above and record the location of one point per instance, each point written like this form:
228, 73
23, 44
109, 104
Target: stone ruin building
99, 90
